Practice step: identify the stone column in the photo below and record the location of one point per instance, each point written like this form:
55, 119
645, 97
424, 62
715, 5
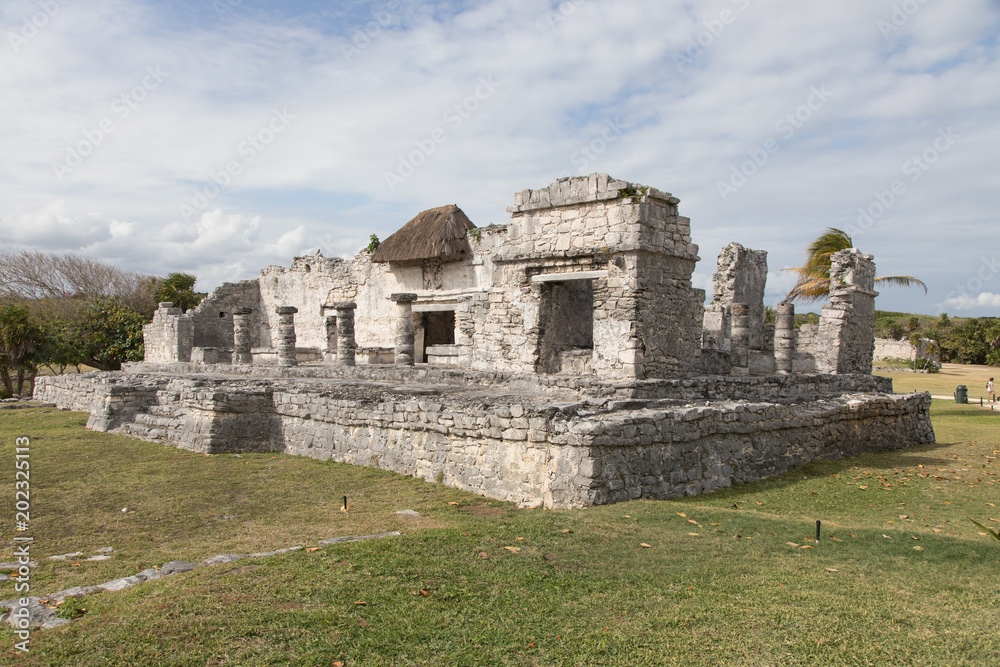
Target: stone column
345, 332
286, 335
741, 340
242, 336
784, 338
404, 327
330, 352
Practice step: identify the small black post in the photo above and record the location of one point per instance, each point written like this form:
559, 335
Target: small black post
345, 504
817, 531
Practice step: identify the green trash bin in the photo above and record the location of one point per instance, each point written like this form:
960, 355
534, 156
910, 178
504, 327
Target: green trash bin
961, 394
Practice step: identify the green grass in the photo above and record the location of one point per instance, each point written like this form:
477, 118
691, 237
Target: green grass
900, 576
945, 382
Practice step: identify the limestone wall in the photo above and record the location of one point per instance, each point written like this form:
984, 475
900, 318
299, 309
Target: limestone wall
213, 318
886, 348
518, 448
740, 277
169, 337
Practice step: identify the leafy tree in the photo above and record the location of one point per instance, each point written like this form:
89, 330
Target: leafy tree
59, 346
814, 277
944, 320
913, 324
111, 334
892, 329
17, 341
178, 288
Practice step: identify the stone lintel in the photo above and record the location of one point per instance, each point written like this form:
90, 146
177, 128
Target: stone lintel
435, 307
344, 305
286, 310
403, 297
568, 275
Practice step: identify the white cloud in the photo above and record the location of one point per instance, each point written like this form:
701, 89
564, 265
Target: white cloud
320, 182
967, 302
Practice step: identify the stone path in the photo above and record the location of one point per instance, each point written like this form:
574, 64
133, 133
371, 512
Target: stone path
41, 612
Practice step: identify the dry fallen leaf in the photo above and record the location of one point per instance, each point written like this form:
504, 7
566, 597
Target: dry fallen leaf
520, 539
792, 544
886, 536
807, 546
830, 569
681, 514
483, 555
918, 548
339, 663
513, 550
360, 603
695, 534
567, 530
425, 592
452, 503
314, 548
862, 487
643, 544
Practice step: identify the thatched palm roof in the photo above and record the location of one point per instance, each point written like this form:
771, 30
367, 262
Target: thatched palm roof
438, 233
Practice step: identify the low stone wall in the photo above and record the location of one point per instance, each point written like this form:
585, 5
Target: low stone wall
569, 387
514, 446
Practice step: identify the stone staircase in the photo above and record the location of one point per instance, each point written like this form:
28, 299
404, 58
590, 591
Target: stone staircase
159, 423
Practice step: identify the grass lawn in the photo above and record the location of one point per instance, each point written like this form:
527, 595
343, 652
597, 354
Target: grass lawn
900, 575
945, 382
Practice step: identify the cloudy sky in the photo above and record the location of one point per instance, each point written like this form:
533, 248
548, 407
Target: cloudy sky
219, 136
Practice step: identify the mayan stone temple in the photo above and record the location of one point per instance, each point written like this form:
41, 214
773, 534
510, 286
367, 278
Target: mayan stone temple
562, 359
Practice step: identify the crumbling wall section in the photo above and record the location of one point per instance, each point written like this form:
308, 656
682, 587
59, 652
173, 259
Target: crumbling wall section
213, 318
169, 337
846, 335
303, 285
740, 277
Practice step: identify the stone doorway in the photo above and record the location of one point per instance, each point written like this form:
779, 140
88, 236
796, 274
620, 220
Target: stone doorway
436, 331
566, 320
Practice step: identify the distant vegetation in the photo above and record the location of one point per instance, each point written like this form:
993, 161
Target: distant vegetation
963, 340
61, 311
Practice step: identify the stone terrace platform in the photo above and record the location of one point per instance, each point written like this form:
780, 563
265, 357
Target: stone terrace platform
552, 440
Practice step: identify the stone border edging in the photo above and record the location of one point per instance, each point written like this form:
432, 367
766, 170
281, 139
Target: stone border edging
40, 616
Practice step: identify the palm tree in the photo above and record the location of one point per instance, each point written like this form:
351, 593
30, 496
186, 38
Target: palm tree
178, 288
814, 277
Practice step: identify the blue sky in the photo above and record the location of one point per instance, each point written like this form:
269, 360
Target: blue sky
221, 136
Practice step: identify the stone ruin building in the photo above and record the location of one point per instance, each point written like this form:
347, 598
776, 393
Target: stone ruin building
563, 359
